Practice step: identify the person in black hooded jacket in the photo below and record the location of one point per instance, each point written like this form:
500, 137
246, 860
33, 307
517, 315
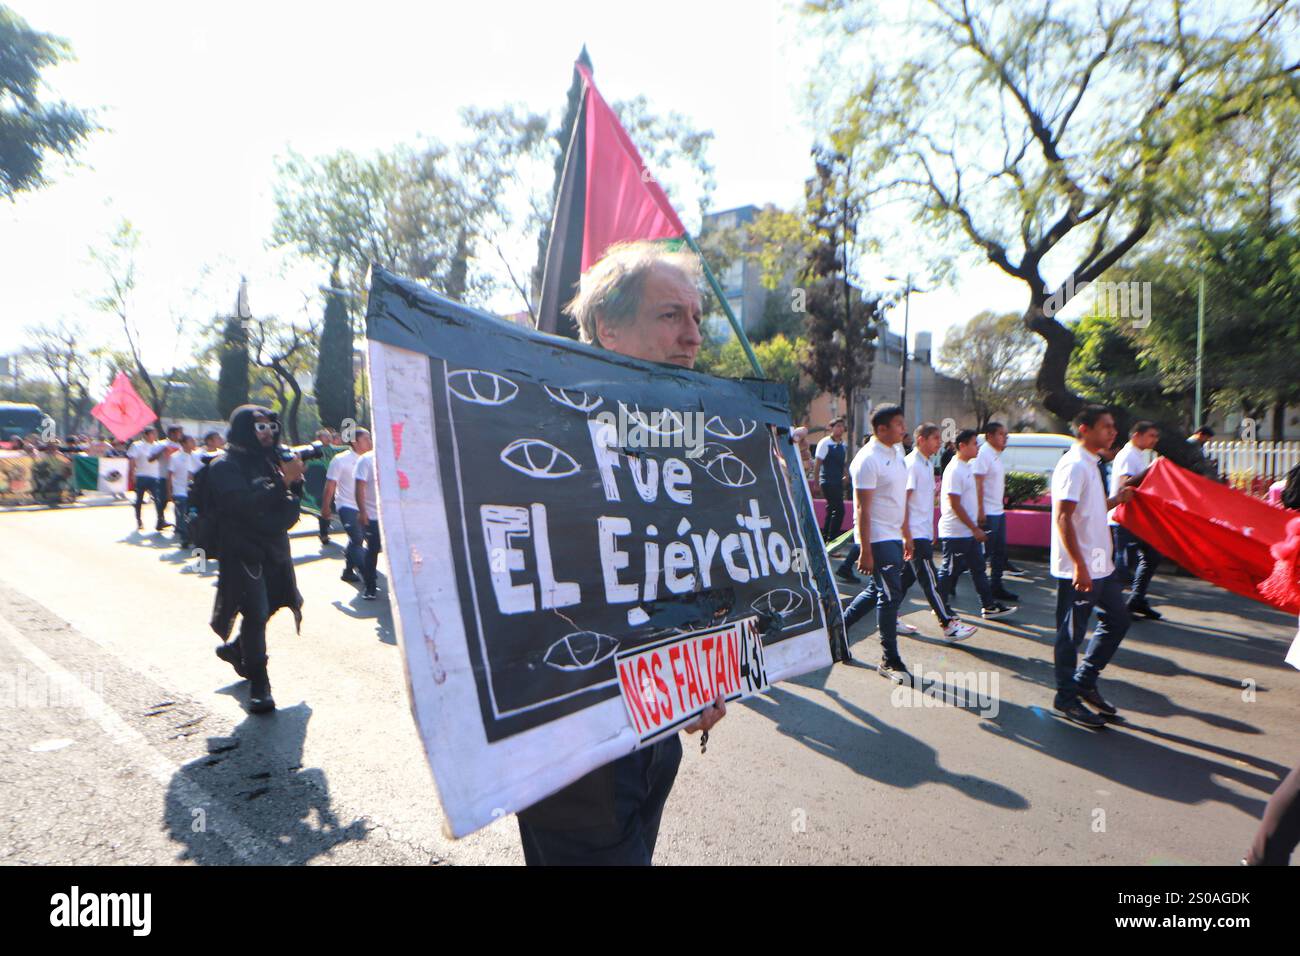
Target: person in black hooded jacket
255, 498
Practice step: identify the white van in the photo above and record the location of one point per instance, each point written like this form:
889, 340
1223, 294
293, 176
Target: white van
1035, 453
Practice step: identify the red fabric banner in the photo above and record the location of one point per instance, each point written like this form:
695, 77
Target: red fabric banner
123, 412
623, 200
1214, 531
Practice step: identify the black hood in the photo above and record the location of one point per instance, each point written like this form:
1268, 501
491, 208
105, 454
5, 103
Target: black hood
241, 437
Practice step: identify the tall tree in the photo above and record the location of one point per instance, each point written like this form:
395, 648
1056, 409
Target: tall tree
843, 323
1053, 139
335, 389
232, 375
31, 129
993, 355
284, 350
68, 363
118, 262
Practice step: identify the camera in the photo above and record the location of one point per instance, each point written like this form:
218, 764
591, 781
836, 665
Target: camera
305, 452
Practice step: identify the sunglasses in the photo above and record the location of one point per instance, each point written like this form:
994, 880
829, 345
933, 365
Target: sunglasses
261, 427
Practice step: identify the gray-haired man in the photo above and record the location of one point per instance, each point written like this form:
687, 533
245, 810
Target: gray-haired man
642, 301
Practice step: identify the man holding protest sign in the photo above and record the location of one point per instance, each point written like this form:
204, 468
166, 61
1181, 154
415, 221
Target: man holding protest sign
641, 301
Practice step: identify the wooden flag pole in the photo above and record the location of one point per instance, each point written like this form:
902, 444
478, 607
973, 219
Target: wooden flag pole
726, 307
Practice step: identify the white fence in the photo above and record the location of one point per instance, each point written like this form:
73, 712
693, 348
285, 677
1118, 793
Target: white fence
1245, 463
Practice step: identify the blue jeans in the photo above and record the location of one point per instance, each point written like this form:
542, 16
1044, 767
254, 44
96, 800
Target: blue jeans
1072, 612
996, 548
609, 817
885, 592
1135, 560
352, 554
964, 554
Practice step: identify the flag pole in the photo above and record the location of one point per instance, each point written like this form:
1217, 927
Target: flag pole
726, 307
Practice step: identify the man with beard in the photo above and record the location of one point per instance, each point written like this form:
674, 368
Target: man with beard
254, 499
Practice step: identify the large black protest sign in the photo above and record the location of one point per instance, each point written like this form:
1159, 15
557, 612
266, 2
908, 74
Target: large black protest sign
584, 549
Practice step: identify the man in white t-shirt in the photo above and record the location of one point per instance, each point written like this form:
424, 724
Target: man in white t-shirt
181, 466
1083, 566
960, 535
831, 457
366, 488
990, 490
146, 470
879, 476
920, 523
1134, 558
340, 496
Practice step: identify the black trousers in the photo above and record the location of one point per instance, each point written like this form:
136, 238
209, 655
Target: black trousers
627, 827
834, 495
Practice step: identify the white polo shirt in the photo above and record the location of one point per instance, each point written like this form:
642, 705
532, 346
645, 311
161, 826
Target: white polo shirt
920, 486
342, 471
1077, 478
882, 470
988, 464
181, 467
139, 453
1130, 461
959, 480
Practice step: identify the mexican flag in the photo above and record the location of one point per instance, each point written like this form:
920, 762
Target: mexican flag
606, 196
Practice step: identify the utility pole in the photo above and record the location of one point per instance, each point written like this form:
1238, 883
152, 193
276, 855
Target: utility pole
1200, 344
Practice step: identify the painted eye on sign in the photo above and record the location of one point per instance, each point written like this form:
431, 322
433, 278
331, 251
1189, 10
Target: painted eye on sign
605, 546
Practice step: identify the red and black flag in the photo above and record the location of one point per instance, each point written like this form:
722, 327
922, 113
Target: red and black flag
606, 195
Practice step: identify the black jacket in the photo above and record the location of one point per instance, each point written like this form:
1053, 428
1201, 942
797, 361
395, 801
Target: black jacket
254, 511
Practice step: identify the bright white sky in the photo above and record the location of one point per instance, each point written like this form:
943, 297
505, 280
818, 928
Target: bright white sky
200, 99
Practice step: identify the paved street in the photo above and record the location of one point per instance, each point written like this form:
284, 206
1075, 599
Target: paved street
153, 760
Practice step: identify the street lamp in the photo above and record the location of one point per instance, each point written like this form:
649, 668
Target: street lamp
908, 289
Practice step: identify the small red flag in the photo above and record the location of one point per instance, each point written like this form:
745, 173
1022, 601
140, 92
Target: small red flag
123, 412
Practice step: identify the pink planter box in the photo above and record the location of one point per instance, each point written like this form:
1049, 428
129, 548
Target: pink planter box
1025, 529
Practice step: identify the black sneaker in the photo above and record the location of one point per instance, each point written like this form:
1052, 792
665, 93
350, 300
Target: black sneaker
1073, 710
1143, 609
350, 576
163, 526
1002, 594
1093, 696
370, 595
997, 610
847, 576
1012, 569
231, 655
896, 671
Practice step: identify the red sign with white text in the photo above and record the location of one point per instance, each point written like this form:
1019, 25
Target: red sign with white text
666, 685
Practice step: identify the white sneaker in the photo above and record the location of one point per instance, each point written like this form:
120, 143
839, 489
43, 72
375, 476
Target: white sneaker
958, 630
905, 628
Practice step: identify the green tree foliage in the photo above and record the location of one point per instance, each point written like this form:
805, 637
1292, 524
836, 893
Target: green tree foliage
232, 376
334, 385
1051, 139
993, 355
31, 129
782, 361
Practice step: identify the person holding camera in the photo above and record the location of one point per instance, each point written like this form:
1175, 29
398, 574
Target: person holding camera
253, 494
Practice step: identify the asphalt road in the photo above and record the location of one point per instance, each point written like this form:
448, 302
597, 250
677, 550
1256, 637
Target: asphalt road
124, 741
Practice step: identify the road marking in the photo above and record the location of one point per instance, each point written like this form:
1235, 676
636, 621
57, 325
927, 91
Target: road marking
248, 846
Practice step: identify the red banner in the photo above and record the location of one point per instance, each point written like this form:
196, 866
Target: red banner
1214, 531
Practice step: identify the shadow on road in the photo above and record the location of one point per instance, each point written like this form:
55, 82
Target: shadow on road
264, 803
883, 753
